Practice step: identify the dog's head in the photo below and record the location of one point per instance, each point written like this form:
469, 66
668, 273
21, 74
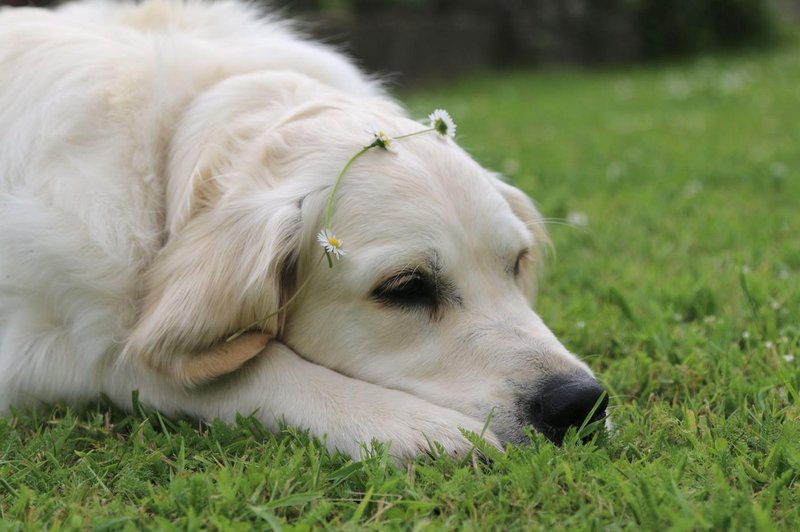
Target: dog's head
433, 296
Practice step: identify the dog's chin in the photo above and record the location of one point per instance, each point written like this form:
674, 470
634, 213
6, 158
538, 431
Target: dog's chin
519, 433
554, 434
557, 435
522, 435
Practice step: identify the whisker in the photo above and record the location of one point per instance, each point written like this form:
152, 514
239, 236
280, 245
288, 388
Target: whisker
561, 221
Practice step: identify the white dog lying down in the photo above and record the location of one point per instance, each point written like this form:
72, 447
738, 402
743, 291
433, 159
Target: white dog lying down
164, 169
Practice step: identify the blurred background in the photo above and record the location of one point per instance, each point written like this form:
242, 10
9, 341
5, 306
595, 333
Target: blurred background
414, 41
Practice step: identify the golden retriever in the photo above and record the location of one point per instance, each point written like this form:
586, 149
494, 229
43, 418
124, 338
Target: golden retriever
164, 170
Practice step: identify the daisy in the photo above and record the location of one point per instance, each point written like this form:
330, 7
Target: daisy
442, 123
330, 243
380, 139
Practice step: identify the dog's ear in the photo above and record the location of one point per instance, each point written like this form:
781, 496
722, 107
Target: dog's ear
217, 133
233, 228
227, 268
524, 209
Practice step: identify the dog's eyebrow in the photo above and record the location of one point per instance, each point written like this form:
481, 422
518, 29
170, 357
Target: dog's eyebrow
399, 276
423, 264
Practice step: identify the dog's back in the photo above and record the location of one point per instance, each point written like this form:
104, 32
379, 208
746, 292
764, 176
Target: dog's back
90, 97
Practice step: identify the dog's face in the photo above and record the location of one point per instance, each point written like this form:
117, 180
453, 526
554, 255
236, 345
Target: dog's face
433, 296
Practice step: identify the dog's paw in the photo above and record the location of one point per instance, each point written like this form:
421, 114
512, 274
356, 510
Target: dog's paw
435, 430
411, 427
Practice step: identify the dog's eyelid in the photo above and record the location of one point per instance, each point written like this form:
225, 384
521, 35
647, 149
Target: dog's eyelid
410, 288
523, 255
404, 275
399, 280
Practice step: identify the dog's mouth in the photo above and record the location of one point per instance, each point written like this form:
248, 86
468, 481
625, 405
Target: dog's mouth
586, 431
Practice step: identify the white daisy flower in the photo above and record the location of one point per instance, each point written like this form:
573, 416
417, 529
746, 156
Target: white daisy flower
442, 123
381, 139
330, 243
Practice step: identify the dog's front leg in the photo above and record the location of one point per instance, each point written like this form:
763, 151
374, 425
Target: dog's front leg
345, 412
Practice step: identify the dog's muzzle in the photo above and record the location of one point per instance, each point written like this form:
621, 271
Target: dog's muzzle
566, 401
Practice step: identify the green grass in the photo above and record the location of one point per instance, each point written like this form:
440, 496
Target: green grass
681, 290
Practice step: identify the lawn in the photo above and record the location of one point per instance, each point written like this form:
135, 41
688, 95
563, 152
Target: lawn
674, 199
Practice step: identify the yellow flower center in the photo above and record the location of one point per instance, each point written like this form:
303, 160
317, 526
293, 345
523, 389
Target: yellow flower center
333, 241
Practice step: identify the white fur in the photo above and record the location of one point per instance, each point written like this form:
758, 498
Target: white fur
163, 170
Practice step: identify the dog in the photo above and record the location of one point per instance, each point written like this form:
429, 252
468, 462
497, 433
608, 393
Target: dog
164, 169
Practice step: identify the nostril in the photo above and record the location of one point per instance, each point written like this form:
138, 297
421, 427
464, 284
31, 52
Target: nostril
566, 401
536, 409
574, 402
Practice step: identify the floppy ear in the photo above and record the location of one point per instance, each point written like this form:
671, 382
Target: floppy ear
233, 227
524, 209
232, 231
227, 268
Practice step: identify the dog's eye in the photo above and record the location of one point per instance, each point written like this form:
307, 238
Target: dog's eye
521, 257
407, 290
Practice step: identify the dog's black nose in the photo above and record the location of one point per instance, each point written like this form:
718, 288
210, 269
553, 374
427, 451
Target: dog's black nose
566, 401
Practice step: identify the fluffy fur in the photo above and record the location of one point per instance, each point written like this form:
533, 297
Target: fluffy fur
163, 170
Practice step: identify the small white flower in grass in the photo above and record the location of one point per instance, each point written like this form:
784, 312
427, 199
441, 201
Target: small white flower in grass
330, 243
578, 219
442, 123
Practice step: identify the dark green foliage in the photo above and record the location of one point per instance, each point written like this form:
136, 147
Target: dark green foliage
681, 27
590, 31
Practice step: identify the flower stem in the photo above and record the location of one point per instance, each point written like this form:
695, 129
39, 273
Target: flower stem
415, 133
283, 307
329, 204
